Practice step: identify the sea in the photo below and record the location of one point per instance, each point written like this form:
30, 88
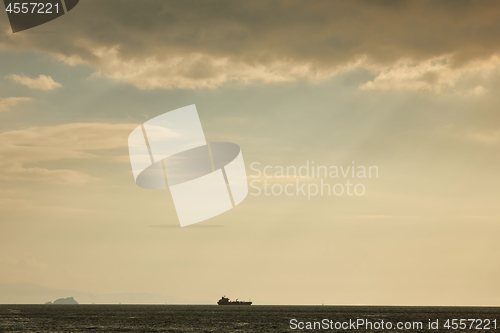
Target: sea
254, 318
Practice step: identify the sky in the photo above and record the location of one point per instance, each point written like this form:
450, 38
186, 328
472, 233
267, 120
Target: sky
408, 87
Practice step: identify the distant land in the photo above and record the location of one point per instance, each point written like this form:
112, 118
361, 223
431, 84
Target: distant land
67, 300
28, 293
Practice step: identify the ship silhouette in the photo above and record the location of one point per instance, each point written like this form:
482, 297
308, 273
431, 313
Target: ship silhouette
225, 301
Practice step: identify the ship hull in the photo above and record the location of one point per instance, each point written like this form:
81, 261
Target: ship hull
234, 303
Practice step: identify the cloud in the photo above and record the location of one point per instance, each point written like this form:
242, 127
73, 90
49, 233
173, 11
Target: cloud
200, 70
486, 137
51, 143
6, 104
192, 44
435, 75
16, 171
482, 133
476, 91
42, 83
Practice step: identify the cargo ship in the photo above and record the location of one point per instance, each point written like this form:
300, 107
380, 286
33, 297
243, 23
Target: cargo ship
225, 301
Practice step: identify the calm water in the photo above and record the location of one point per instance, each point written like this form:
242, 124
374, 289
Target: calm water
213, 318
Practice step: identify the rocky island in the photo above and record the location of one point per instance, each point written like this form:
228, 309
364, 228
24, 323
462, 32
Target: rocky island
68, 300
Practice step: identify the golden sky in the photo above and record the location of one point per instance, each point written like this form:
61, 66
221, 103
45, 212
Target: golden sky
408, 87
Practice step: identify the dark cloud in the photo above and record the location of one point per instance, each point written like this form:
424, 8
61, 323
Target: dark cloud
248, 34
